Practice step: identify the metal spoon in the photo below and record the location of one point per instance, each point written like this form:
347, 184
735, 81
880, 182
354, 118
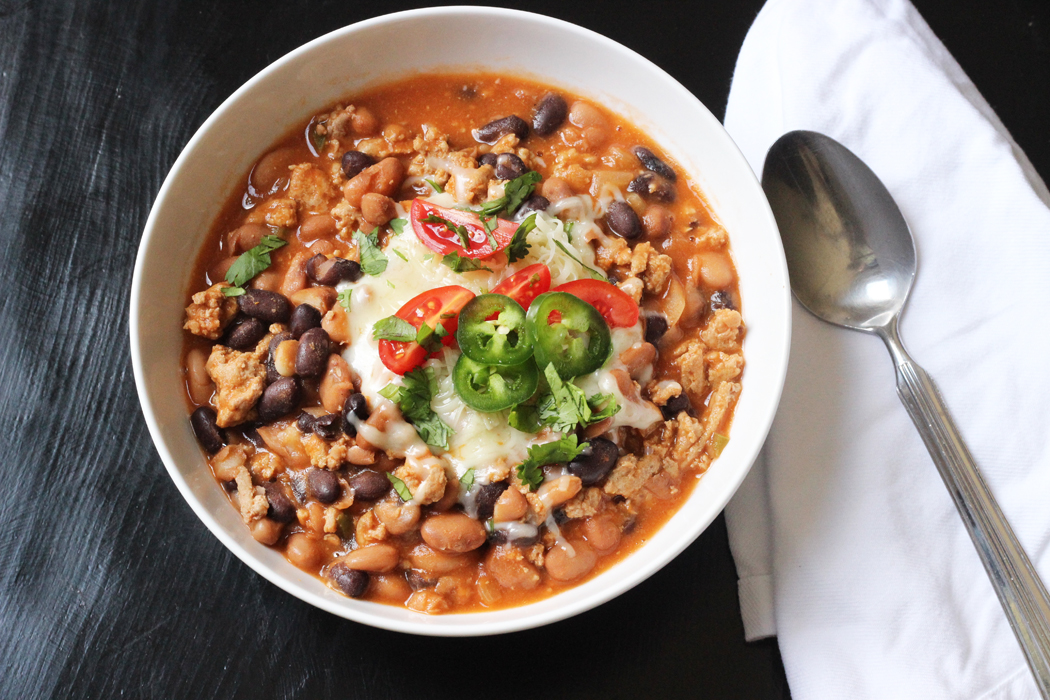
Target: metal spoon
851, 258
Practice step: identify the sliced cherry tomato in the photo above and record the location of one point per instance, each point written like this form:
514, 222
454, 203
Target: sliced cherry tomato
428, 221
618, 309
525, 285
440, 305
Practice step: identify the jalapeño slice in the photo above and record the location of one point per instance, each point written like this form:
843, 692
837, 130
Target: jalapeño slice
492, 331
569, 332
489, 388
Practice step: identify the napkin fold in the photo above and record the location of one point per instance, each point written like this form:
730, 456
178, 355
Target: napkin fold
847, 544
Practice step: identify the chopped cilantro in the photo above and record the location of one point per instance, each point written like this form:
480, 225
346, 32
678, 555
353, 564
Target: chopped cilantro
344, 299
394, 328
461, 231
430, 338
400, 487
437, 188
399, 254
373, 262
428, 257
590, 270
558, 452
461, 263
518, 247
467, 480
250, 263
398, 226
413, 398
525, 418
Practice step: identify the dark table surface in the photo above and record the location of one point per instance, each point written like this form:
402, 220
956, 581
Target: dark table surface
109, 585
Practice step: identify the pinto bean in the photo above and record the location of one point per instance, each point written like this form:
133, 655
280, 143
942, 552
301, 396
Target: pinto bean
650, 161
653, 187
321, 298
377, 208
378, 558
316, 226
266, 531
715, 269
336, 384
453, 532
638, 357
350, 582
563, 564
369, 485
284, 358
207, 430
280, 398
623, 221
311, 358
657, 221
272, 169
354, 162
303, 319
510, 569
601, 532
511, 505
322, 485
486, 498
555, 493
385, 177
498, 128
550, 113
270, 307
217, 272
336, 324
247, 236
399, 518
304, 551
433, 563
593, 125
295, 276
332, 271
198, 382
244, 333
509, 166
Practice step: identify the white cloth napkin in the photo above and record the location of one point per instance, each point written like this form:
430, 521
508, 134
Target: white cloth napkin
847, 544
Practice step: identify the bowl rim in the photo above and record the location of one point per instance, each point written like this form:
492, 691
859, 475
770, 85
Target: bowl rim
430, 625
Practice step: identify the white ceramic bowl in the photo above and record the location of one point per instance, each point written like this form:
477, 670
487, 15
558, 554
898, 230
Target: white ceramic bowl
326, 70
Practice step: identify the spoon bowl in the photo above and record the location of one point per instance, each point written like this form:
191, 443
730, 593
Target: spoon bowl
848, 248
851, 259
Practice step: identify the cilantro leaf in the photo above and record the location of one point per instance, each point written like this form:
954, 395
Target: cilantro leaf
602, 406
558, 452
232, 291
518, 247
373, 262
394, 328
399, 254
430, 338
461, 231
461, 263
525, 418
467, 480
590, 270
251, 262
519, 189
566, 406
398, 225
437, 188
413, 398
344, 299
400, 487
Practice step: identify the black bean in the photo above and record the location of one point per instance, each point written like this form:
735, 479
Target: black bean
497, 537
356, 161
497, 129
720, 300
303, 319
244, 333
312, 356
305, 422
487, 497
207, 431
418, 581
349, 582
281, 507
560, 516
487, 159
272, 375
265, 305
595, 462
536, 202
509, 166
332, 271
653, 187
369, 485
229, 486
323, 485
650, 161
252, 435
655, 326
328, 426
676, 405
357, 405
549, 114
623, 221
280, 398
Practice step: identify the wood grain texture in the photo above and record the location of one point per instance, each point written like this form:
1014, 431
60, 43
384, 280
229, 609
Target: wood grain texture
109, 585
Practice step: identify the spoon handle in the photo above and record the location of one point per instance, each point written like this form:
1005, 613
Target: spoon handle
1020, 591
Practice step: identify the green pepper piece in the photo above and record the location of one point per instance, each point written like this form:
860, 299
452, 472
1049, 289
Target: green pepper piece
490, 388
492, 331
568, 332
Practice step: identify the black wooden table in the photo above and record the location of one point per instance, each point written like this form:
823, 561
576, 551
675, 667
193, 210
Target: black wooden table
109, 585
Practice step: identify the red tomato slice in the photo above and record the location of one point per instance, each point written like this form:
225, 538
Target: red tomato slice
440, 305
619, 310
526, 284
437, 236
